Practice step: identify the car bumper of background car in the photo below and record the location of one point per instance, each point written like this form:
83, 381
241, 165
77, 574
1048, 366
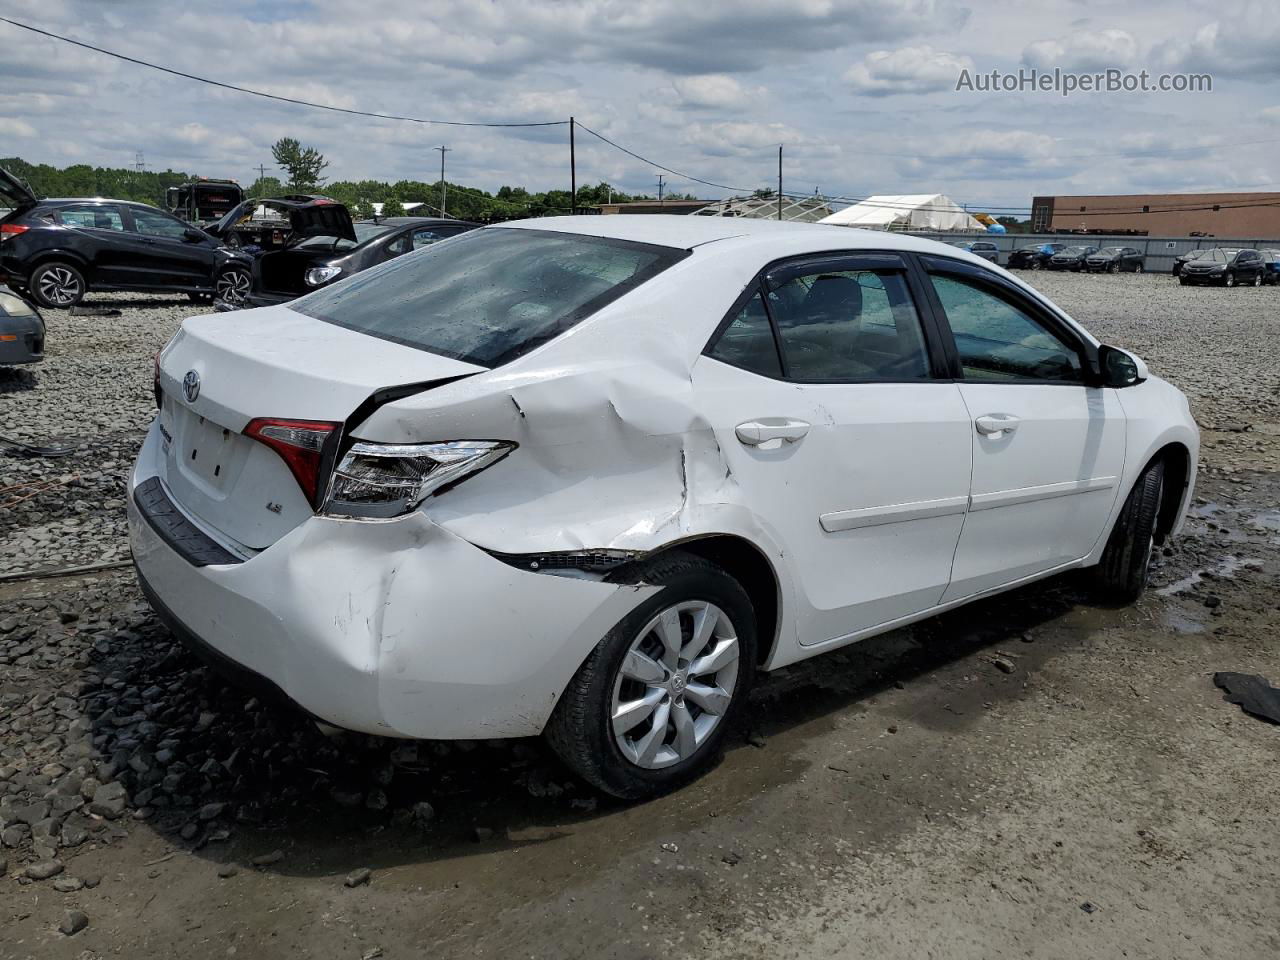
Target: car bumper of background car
257, 299
21, 340
396, 628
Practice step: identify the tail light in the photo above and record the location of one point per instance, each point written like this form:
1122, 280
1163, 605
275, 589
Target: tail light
155, 382
8, 230
300, 444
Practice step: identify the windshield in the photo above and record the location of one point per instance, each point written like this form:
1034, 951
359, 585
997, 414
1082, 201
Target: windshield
1112, 251
364, 233
1076, 251
491, 295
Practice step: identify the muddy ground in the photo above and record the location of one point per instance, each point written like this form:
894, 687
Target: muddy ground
903, 798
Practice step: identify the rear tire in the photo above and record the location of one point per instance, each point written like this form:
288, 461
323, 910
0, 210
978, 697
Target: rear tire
57, 284
655, 746
1121, 574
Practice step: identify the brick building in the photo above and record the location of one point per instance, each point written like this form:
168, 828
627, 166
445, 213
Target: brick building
1161, 214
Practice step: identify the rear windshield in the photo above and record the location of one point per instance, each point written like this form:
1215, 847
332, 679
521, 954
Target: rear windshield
491, 295
365, 231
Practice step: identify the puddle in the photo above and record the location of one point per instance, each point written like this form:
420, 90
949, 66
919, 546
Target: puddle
1179, 622
1225, 568
1267, 520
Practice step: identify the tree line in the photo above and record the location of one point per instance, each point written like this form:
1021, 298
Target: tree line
303, 171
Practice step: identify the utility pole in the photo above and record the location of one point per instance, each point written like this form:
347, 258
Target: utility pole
139, 164
779, 181
573, 171
659, 189
262, 172
444, 191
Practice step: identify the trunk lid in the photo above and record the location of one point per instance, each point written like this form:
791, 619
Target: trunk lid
308, 217
14, 192
222, 371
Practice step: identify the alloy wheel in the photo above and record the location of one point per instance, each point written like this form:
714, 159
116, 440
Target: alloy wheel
1257, 280
675, 684
59, 286
233, 286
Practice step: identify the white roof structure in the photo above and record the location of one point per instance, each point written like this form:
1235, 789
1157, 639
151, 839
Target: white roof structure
916, 211
799, 209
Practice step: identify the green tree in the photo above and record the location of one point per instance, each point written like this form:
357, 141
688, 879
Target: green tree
304, 165
362, 210
265, 187
392, 207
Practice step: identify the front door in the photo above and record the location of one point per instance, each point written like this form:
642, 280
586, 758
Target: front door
825, 401
1048, 449
165, 257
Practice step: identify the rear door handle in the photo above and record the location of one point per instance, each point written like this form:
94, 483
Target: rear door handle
755, 432
995, 424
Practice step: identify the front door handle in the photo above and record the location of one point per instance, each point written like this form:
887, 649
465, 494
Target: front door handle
995, 424
755, 432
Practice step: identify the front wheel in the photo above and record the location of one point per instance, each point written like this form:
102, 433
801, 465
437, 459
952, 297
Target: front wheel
232, 286
1230, 280
1035, 265
1257, 280
649, 709
1121, 574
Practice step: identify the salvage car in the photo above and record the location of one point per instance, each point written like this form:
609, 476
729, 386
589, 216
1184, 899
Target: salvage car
1271, 258
21, 330
59, 250
586, 476
309, 260
979, 248
1035, 256
1225, 267
1115, 260
1071, 258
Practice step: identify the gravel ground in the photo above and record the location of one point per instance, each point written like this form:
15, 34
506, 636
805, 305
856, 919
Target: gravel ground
904, 796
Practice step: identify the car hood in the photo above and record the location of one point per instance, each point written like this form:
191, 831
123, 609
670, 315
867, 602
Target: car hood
14, 190
308, 216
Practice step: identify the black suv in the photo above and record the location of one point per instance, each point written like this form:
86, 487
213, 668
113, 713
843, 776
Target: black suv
1226, 266
1116, 260
1071, 258
58, 250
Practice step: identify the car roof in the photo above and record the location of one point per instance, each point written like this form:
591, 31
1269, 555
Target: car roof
434, 221
687, 232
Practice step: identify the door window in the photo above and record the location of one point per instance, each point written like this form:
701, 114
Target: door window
849, 325
748, 341
91, 215
998, 341
155, 224
429, 235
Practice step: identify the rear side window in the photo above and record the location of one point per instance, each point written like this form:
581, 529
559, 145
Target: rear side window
998, 342
92, 216
849, 325
489, 296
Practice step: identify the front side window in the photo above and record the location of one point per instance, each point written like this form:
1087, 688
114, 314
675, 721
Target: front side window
849, 325
156, 224
491, 295
748, 341
91, 215
426, 236
998, 341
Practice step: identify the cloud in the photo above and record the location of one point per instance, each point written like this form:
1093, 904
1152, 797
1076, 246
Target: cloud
1242, 43
10, 127
1271, 114
907, 70
715, 90
1083, 50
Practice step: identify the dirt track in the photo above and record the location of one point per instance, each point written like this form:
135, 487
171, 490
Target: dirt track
903, 798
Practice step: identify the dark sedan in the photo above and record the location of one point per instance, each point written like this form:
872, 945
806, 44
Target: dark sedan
1116, 260
320, 259
1034, 257
1071, 258
21, 330
979, 248
61, 249
1225, 267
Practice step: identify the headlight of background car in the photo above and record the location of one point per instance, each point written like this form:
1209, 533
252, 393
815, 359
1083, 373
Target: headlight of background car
318, 275
377, 481
15, 306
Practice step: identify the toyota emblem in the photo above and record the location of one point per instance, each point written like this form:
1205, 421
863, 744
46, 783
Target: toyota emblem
191, 386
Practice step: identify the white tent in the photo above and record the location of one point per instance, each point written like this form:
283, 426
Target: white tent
917, 211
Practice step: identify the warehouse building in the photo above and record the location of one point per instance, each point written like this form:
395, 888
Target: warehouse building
1161, 214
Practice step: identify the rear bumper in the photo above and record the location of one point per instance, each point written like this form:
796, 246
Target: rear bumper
27, 343
395, 628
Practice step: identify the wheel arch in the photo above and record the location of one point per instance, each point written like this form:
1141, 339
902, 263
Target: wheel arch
77, 260
1177, 477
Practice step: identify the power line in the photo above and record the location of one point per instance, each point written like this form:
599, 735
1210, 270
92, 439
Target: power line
654, 163
273, 96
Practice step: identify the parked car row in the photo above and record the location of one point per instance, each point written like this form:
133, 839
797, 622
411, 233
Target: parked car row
1228, 267
58, 250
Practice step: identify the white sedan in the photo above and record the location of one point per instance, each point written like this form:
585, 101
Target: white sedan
587, 476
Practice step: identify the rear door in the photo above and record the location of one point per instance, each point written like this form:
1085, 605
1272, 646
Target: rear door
106, 240
165, 257
1048, 448
824, 396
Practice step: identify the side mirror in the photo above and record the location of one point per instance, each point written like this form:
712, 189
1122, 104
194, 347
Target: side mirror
193, 236
1120, 368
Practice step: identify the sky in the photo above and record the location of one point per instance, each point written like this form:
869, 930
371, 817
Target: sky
862, 93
